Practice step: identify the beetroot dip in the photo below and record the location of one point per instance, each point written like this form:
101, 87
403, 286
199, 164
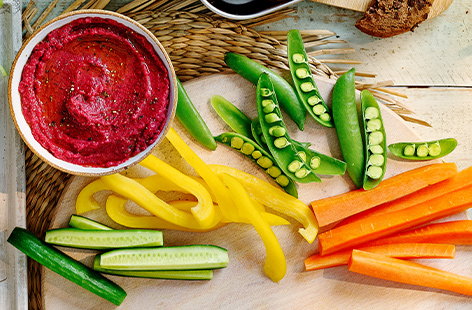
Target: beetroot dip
95, 93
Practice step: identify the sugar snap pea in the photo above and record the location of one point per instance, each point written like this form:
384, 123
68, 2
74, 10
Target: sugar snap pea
303, 80
251, 70
276, 135
346, 122
192, 121
375, 143
423, 150
260, 156
320, 163
231, 115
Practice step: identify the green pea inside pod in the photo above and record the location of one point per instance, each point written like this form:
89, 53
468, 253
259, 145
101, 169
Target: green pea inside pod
251, 150
375, 147
276, 136
423, 150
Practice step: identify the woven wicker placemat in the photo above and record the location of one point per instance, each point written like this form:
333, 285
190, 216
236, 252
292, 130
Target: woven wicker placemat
196, 43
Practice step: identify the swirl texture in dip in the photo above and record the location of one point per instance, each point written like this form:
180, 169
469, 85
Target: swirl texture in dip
95, 93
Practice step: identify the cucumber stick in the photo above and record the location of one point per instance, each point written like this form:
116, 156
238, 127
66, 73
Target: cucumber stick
80, 222
104, 239
203, 274
166, 258
65, 266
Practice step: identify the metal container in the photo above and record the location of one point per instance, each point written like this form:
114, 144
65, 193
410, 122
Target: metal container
13, 270
246, 9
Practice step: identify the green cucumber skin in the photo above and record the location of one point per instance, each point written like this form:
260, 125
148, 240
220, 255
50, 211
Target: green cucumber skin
128, 259
348, 130
368, 100
81, 222
203, 274
110, 239
65, 266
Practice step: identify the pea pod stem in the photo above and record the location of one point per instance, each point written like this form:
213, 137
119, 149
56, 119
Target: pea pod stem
303, 80
192, 121
251, 70
231, 115
346, 122
446, 146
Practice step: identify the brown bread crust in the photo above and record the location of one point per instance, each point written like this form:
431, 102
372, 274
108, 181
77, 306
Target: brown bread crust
386, 18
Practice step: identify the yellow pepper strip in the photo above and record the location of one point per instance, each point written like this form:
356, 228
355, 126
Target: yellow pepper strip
272, 219
130, 189
204, 211
156, 183
275, 265
223, 195
85, 201
116, 210
276, 199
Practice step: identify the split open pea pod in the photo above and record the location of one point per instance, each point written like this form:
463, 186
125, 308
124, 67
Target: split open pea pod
261, 157
375, 149
423, 150
276, 135
303, 80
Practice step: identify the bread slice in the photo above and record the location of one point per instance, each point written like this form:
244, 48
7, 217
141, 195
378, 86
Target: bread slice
386, 18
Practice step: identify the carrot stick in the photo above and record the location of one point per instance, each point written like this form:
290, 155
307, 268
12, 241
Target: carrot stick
394, 269
399, 250
333, 209
460, 180
454, 232
353, 234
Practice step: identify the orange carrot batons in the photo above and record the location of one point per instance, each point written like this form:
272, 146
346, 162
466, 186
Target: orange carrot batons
353, 234
400, 250
394, 269
454, 232
458, 181
333, 209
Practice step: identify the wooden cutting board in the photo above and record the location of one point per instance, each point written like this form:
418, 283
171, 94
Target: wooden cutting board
437, 8
242, 285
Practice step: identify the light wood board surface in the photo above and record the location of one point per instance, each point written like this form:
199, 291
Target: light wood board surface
242, 285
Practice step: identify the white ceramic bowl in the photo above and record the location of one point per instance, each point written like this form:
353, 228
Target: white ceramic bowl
15, 100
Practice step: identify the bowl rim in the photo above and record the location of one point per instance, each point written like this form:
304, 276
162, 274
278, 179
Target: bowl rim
134, 159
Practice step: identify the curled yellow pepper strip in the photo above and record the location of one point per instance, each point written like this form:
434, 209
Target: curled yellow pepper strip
275, 265
85, 201
156, 183
116, 210
130, 189
204, 211
223, 196
272, 219
276, 199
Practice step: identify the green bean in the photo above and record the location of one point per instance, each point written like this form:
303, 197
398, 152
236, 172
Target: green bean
375, 140
260, 156
192, 121
346, 122
327, 165
428, 150
303, 80
231, 115
287, 96
281, 148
